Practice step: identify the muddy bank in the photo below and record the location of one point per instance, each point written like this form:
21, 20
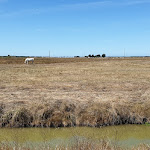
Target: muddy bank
68, 114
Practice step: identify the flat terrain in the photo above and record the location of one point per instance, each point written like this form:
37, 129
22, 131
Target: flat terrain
114, 85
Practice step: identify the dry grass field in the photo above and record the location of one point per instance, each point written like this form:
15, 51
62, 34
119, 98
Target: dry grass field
74, 91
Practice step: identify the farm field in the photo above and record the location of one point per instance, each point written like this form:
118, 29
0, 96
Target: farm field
59, 92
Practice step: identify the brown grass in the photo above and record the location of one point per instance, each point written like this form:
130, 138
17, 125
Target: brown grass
44, 60
74, 91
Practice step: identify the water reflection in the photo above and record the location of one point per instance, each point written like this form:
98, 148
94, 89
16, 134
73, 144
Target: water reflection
125, 135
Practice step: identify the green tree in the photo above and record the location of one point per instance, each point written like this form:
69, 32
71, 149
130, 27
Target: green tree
103, 55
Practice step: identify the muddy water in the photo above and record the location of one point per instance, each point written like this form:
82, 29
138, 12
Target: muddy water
125, 135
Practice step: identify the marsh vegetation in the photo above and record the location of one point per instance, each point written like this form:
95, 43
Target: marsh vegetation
66, 92
96, 93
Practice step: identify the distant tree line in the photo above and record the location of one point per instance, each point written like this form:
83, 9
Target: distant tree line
103, 55
94, 56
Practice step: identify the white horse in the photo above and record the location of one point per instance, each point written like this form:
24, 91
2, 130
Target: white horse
29, 59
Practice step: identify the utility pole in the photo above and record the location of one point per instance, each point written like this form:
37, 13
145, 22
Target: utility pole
49, 54
124, 52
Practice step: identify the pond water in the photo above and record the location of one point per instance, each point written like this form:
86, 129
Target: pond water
124, 135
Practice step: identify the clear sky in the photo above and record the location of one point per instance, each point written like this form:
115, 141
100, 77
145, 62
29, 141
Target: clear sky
75, 27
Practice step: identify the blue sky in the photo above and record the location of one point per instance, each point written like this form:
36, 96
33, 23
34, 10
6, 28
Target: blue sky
74, 27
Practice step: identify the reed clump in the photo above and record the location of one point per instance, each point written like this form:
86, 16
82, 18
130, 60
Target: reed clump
22, 118
68, 114
18, 118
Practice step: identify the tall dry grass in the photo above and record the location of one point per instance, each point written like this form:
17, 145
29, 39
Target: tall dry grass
73, 92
